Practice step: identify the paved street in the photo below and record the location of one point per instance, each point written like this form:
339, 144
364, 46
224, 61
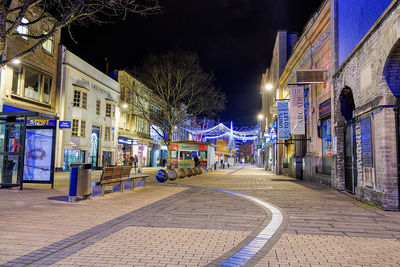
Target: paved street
184, 223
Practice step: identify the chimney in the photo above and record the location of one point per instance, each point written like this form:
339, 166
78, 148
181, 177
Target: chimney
106, 65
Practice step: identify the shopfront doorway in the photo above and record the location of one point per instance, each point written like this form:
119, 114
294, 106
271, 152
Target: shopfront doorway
350, 156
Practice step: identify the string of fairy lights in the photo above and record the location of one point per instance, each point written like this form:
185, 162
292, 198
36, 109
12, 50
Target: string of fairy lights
221, 131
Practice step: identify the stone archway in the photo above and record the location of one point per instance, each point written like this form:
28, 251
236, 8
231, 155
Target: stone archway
345, 133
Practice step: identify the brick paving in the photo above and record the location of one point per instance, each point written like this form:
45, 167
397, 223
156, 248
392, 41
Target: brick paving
169, 225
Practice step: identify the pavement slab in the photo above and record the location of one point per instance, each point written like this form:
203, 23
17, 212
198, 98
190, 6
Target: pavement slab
172, 225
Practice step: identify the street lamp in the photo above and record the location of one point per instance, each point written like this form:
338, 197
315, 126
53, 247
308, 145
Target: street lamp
260, 116
269, 86
16, 61
125, 105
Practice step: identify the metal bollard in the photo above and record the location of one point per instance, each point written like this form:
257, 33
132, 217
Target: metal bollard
73, 184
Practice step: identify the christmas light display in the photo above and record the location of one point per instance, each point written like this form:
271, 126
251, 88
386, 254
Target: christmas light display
221, 131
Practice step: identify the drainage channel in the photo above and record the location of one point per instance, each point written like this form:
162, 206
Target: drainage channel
260, 240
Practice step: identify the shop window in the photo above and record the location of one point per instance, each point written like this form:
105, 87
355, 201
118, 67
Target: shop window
107, 134
32, 84
326, 146
77, 98
108, 110
83, 128
174, 154
23, 29
73, 156
48, 45
75, 127
98, 106
203, 155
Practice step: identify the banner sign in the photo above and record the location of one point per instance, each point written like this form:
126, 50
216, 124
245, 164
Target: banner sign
297, 125
366, 142
38, 149
283, 121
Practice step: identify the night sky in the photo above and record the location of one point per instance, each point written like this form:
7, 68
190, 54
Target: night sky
233, 38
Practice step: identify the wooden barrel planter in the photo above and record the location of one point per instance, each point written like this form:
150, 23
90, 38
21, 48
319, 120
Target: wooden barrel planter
189, 172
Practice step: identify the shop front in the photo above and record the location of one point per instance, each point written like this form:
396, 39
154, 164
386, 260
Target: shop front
183, 154
125, 150
73, 155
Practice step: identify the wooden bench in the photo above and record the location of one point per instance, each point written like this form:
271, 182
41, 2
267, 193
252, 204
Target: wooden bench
120, 179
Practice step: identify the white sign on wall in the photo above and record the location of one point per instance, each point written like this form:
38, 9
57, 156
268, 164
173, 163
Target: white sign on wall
296, 115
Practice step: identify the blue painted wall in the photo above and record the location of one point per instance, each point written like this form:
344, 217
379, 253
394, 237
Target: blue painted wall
355, 19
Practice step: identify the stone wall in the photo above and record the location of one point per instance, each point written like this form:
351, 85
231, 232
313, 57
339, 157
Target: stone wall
364, 73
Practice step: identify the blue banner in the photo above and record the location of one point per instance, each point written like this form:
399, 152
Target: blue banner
283, 121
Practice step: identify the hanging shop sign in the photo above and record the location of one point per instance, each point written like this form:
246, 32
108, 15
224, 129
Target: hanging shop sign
366, 142
310, 76
296, 117
64, 124
283, 121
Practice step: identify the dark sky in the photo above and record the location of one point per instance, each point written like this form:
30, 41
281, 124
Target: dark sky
233, 38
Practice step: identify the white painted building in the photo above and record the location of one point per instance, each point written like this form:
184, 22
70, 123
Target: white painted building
89, 104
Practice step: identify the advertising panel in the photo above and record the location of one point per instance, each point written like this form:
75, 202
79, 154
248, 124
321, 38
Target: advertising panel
38, 152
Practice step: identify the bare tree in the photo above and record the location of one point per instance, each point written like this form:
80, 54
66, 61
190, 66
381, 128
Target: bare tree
53, 15
178, 89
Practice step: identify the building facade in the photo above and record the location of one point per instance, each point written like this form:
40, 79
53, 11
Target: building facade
365, 96
89, 101
29, 84
275, 154
311, 155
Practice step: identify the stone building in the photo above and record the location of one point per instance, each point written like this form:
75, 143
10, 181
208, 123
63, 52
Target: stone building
89, 101
134, 129
273, 154
307, 67
366, 78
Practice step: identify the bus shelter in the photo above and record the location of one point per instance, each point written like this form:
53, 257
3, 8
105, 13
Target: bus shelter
183, 153
27, 148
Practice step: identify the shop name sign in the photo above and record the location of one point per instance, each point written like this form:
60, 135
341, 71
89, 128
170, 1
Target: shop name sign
296, 117
87, 84
64, 124
283, 121
127, 141
187, 147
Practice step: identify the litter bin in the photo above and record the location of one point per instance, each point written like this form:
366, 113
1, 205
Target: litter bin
79, 181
